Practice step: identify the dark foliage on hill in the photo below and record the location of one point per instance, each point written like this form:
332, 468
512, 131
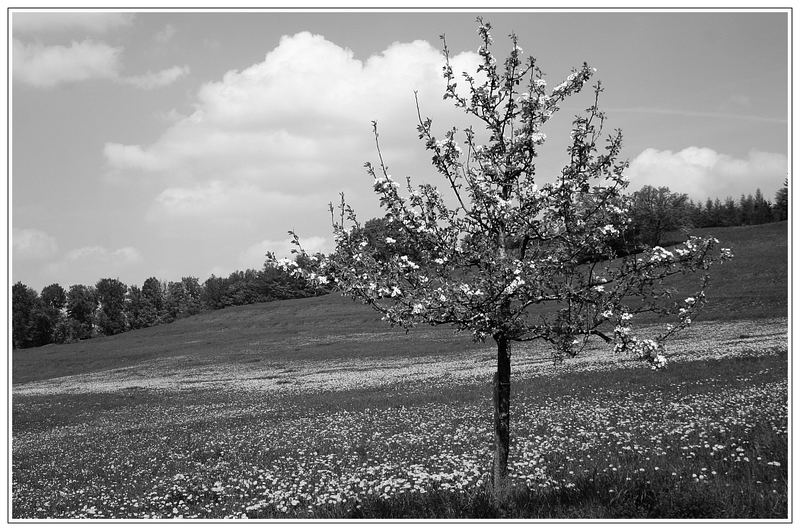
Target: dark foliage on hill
752, 209
110, 307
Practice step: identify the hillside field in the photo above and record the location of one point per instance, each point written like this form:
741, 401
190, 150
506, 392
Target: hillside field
314, 408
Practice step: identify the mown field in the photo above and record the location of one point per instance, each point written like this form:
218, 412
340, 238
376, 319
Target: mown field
313, 409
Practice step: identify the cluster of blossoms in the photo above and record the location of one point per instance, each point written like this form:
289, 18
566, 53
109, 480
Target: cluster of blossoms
648, 350
660, 254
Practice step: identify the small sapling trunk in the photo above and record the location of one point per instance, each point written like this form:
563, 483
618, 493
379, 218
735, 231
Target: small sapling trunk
502, 415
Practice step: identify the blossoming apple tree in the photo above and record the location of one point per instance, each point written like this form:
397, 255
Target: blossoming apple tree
505, 255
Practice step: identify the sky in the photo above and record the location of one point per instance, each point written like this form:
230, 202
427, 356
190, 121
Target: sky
175, 144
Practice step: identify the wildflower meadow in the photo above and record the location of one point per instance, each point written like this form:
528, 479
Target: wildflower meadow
594, 437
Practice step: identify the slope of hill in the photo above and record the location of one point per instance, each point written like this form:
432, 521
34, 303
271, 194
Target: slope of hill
756, 282
753, 285
324, 327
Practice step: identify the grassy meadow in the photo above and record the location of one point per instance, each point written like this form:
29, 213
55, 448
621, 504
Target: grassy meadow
315, 409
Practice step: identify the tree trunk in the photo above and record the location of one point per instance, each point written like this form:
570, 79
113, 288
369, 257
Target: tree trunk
502, 401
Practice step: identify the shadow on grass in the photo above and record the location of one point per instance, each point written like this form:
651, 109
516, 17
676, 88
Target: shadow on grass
594, 497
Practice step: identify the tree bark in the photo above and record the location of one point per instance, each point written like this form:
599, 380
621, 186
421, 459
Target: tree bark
502, 401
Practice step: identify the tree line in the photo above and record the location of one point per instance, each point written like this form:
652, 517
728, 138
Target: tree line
748, 210
657, 212
657, 215
110, 307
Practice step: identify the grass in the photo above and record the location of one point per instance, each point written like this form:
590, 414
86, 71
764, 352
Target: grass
754, 284
314, 409
280, 331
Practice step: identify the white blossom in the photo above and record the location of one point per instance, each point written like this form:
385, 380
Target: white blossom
512, 287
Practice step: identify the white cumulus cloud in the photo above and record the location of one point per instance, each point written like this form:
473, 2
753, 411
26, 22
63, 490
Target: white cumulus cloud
703, 172
300, 112
48, 66
291, 130
218, 198
162, 78
32, 244
128, 156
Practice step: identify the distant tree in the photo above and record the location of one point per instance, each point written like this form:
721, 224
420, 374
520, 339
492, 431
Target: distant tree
173, 300
111, 312
214, 293
245, 287
23, 306
33, 319
67, 330
471, 277
44, 320
698, 214
81, 305
139, 309
693, 210
182, 298
711, 217
781, 211
153, 292
50, 313
729, 214
718, 213
54, 296
193, 294
746, 209
762, 209
656, 212
277, 283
